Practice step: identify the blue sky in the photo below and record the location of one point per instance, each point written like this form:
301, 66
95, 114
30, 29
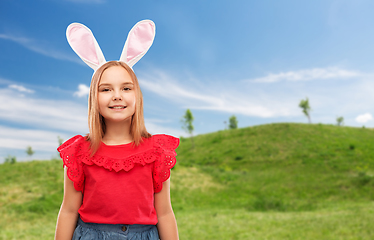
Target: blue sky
252, 59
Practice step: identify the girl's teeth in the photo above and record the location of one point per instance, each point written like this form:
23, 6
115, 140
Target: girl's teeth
117, 107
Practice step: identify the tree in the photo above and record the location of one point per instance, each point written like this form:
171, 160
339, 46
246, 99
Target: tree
233, 122
187, 120
29, 151
339, 121
304, 104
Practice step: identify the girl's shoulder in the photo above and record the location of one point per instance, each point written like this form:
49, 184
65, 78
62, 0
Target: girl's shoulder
74, 140
74, 144
164, 141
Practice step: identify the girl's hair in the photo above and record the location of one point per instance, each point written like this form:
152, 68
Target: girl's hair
96, 123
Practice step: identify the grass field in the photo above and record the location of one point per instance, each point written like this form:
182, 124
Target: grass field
276, 181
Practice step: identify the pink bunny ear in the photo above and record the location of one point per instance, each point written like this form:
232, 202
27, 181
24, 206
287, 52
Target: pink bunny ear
85, 45
138, 42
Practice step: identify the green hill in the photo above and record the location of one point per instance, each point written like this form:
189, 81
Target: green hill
286, 167
277, 181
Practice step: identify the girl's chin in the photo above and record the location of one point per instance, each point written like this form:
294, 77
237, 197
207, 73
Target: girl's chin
118, 120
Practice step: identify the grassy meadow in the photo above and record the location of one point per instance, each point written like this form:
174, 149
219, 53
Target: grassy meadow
276, 181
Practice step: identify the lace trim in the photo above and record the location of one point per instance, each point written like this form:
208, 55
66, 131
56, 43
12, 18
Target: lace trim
125, 164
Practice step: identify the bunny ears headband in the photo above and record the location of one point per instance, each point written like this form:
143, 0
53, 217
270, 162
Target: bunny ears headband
84, 44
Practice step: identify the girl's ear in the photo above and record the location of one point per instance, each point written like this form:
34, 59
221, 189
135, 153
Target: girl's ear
85, 45
138, 42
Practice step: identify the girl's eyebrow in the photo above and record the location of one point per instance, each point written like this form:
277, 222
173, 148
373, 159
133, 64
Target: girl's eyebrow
108, 84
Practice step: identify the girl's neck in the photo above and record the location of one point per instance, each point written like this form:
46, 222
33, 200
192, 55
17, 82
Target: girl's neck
117, 133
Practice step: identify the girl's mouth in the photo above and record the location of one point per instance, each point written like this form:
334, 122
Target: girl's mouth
117, 107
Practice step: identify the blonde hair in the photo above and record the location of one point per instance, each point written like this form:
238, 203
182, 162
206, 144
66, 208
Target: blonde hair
96, 123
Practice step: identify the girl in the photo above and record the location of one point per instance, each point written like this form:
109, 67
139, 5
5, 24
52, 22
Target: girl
116, 179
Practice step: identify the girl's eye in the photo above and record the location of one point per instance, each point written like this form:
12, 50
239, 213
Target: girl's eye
104, 89
127, 89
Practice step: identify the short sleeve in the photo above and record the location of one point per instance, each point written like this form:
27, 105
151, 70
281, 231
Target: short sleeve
70, 152
165, 146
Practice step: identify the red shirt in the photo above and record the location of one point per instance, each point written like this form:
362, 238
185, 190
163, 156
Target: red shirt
118, 183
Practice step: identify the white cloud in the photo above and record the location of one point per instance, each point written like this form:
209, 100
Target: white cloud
154, 128
41, 140
83, 90
233, 100
308, 74
36, 46
52, 114
364, 118
21, 88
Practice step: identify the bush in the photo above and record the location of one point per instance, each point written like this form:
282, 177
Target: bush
10, 159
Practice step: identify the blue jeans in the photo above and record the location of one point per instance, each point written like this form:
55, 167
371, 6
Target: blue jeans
93, 231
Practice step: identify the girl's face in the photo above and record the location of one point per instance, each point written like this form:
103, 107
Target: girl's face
116, 95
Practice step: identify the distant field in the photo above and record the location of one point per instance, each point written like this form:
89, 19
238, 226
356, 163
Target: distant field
276, 181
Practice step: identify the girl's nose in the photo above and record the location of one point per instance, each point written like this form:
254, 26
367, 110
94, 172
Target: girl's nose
117, 96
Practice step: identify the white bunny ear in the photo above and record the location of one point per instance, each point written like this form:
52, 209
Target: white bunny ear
138, 42
85, 45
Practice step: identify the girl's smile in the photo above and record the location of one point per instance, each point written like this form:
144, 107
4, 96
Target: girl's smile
117, 107
116, 95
